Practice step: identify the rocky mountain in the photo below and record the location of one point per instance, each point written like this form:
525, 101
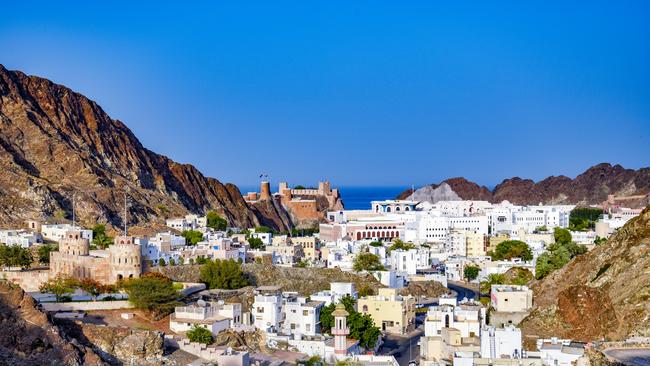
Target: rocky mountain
591, 187
604, 293
28, 336
56, 143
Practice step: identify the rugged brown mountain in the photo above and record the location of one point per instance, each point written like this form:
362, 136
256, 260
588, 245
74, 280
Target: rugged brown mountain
604, 293
28, 337
55, 142
591, 187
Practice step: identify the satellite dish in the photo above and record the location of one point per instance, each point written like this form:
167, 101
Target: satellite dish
201, 303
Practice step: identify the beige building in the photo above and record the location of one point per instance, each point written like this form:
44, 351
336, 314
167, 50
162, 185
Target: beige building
391, 312
310, 246
475, 244
495, 240
74, 258
434, 349
511, 299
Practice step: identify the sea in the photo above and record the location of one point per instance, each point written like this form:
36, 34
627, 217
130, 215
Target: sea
354, 197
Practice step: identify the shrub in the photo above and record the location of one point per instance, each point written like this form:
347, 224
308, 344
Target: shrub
200, 335
223, 274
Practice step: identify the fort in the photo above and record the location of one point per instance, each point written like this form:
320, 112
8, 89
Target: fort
121, 260
306, 205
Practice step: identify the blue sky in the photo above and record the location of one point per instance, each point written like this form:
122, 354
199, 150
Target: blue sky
362, 92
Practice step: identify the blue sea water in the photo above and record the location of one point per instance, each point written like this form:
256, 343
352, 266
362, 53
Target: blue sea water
354, 198
359, 198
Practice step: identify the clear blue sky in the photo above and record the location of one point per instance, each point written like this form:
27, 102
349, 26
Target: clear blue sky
361, 93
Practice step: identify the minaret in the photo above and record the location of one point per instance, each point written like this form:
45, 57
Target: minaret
340, 329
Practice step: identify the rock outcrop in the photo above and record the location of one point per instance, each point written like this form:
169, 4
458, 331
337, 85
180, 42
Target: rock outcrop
28, 337
604, 293
591, 187
55, 142
119, 345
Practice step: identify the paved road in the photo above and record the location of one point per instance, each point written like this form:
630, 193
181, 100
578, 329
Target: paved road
404, 348
630, 357
462, 291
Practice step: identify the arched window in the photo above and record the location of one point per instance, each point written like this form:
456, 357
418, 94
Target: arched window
447, 321
387, 209
397, 208
358, 236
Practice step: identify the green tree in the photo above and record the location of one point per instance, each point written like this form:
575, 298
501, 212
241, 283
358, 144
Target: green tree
93, 288
61, 287
192, 236
180, 261
562, 236
362, 327
543, 266
153, 294
399, 244
470, 272
584, 218
44, 251
256, 243
367, 262
200, 335
15, 256
509, 249
376, 244
215, 221
223, 274
262, 229
100, 239
492, 279
172, 262
161, 262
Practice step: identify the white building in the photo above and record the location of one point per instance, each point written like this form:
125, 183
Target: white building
404, 261
19, 237
468, 317
559, 352
501, 342
267, 308
337, 291
301, 316
266, 238
57, 232
206, 315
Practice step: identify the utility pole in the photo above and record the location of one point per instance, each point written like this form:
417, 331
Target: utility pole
73, 216
124, 213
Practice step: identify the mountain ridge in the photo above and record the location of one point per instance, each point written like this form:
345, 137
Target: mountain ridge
591, 187
55, 142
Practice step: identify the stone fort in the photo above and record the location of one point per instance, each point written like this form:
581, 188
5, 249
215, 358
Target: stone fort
303, 204
121, 260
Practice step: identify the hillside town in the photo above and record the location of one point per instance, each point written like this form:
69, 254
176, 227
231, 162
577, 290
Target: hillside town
475, 259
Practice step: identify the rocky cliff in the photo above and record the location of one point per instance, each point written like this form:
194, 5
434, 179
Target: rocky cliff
55, 142
591, 187
27, 336
604, 293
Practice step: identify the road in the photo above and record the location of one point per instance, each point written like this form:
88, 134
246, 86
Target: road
404, 348
462, 290
629, 357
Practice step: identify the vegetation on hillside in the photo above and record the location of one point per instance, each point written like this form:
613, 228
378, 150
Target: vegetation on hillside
223, 274
215, 221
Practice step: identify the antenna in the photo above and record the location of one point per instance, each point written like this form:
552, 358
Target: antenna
73, 217
125, 213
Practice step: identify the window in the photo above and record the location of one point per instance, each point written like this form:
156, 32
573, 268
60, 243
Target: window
305, 312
